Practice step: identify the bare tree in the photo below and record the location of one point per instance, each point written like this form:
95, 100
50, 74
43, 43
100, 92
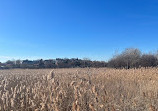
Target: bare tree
148, 60
129, 58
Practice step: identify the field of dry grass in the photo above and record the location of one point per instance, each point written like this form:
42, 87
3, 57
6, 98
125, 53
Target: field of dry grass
87, 89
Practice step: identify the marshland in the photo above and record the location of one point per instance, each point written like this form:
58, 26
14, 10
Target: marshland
79, 89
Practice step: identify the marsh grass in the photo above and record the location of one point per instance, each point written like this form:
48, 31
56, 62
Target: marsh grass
87, 89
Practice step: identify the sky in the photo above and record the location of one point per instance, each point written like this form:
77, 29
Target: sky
96, 29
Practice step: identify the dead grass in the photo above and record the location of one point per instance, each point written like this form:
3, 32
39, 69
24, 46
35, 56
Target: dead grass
88, 89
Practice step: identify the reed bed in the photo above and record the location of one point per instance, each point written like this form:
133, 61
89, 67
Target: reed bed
86, 89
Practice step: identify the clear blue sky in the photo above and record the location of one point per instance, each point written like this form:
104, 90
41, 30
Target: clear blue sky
46, 29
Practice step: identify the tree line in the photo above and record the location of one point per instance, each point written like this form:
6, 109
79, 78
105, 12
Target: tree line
129, 58
133, 58
52, 63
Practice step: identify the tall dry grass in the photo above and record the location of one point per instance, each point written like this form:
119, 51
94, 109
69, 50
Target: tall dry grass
87, 89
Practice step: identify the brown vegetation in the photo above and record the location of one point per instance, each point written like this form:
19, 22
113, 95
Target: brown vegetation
88, 89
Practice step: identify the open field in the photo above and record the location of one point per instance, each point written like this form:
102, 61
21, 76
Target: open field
88, 89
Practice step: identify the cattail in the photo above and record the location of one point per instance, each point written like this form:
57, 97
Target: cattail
5, 107
4, 98
12, 102
94, 89
14, 95
51, 75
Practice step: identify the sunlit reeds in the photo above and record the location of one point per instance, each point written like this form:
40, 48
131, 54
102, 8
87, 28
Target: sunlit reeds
87, 89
